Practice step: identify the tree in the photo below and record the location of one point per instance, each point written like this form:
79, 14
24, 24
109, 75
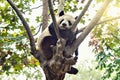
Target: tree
11, 22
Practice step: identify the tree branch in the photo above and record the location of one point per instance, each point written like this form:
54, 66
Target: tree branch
88, 29
33, 8
81, 30
54, 19
92, 23
100, 22
81, 14
26, 26
60, 6
45, 14
114, 36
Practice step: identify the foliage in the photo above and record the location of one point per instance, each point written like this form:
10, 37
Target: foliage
106, 41
28, 73
71, 5
86, 72
14, 44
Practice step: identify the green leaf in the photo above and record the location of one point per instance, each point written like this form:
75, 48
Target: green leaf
117, 61
98, 1
6, 67
33, 1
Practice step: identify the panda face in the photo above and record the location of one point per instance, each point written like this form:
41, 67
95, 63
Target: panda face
65, 22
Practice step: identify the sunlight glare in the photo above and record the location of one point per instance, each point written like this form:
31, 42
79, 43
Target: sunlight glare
113, 11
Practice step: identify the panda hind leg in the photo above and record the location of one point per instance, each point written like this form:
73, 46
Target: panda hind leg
47, 46
72, 71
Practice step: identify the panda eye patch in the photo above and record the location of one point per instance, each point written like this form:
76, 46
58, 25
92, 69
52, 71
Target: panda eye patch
69, 22
61, 21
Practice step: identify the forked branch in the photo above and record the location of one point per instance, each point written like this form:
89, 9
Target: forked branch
92, 24
26, 26
100, 22
88, 29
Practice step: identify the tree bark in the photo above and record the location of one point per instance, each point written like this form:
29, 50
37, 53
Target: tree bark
45, 15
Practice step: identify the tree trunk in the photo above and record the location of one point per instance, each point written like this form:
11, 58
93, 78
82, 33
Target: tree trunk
51, 75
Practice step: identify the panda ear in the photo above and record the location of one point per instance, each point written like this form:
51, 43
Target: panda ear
76, 17
61, 13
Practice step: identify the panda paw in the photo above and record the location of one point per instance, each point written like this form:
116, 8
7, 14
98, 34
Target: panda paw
75, 58
72, 71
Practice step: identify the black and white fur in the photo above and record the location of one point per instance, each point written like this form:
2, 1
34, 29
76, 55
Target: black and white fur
48, 36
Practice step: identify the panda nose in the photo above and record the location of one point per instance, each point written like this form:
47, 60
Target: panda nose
64, 24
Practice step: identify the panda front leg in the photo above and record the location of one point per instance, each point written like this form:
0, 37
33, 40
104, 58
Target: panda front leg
76, 54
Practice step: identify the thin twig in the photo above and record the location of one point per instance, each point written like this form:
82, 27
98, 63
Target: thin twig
81, 14
36, 7
38, 30
100, 22
33, 8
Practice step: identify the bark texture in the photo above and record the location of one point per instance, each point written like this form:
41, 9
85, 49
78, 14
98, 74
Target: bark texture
45, 15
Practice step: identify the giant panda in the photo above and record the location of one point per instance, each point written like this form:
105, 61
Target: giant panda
48, 37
